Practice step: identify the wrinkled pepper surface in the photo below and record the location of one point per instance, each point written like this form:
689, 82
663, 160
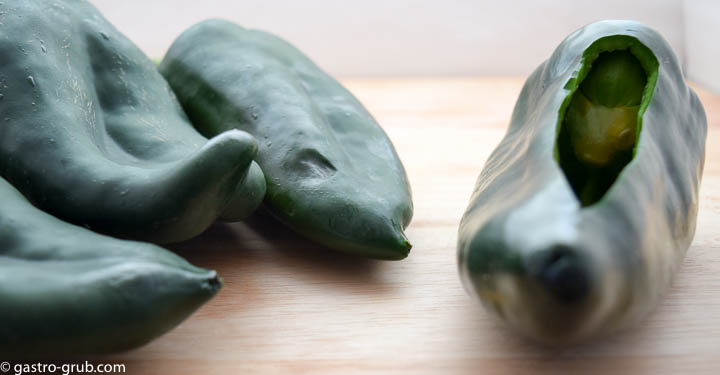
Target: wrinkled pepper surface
585, 210
332, 173
91, 132
66, 291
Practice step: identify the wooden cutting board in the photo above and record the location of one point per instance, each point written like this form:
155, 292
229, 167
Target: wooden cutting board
290, 306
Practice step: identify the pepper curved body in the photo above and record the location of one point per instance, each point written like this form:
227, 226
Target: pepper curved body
91, 132
332, 173
562, 269
65, 290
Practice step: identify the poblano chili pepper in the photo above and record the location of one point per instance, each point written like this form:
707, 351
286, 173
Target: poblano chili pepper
584, 211
91, 132
332, 173
65, 290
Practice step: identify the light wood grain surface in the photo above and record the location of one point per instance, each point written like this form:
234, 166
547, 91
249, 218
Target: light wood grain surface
289, 306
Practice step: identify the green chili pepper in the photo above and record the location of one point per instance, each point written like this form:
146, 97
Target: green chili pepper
91, 132
586, 208
332, 173
67, 291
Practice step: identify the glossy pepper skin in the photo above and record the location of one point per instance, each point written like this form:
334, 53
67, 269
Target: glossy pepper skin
332, 173
555, 269
66, 291
91, 132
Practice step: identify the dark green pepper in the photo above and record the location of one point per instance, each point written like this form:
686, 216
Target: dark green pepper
332, 173
91, 132
67, 291
574, 229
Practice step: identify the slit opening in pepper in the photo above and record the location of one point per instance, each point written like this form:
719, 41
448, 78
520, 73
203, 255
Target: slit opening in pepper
600, 120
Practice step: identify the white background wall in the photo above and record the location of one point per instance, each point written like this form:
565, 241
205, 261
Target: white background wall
702, 42
404, 37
